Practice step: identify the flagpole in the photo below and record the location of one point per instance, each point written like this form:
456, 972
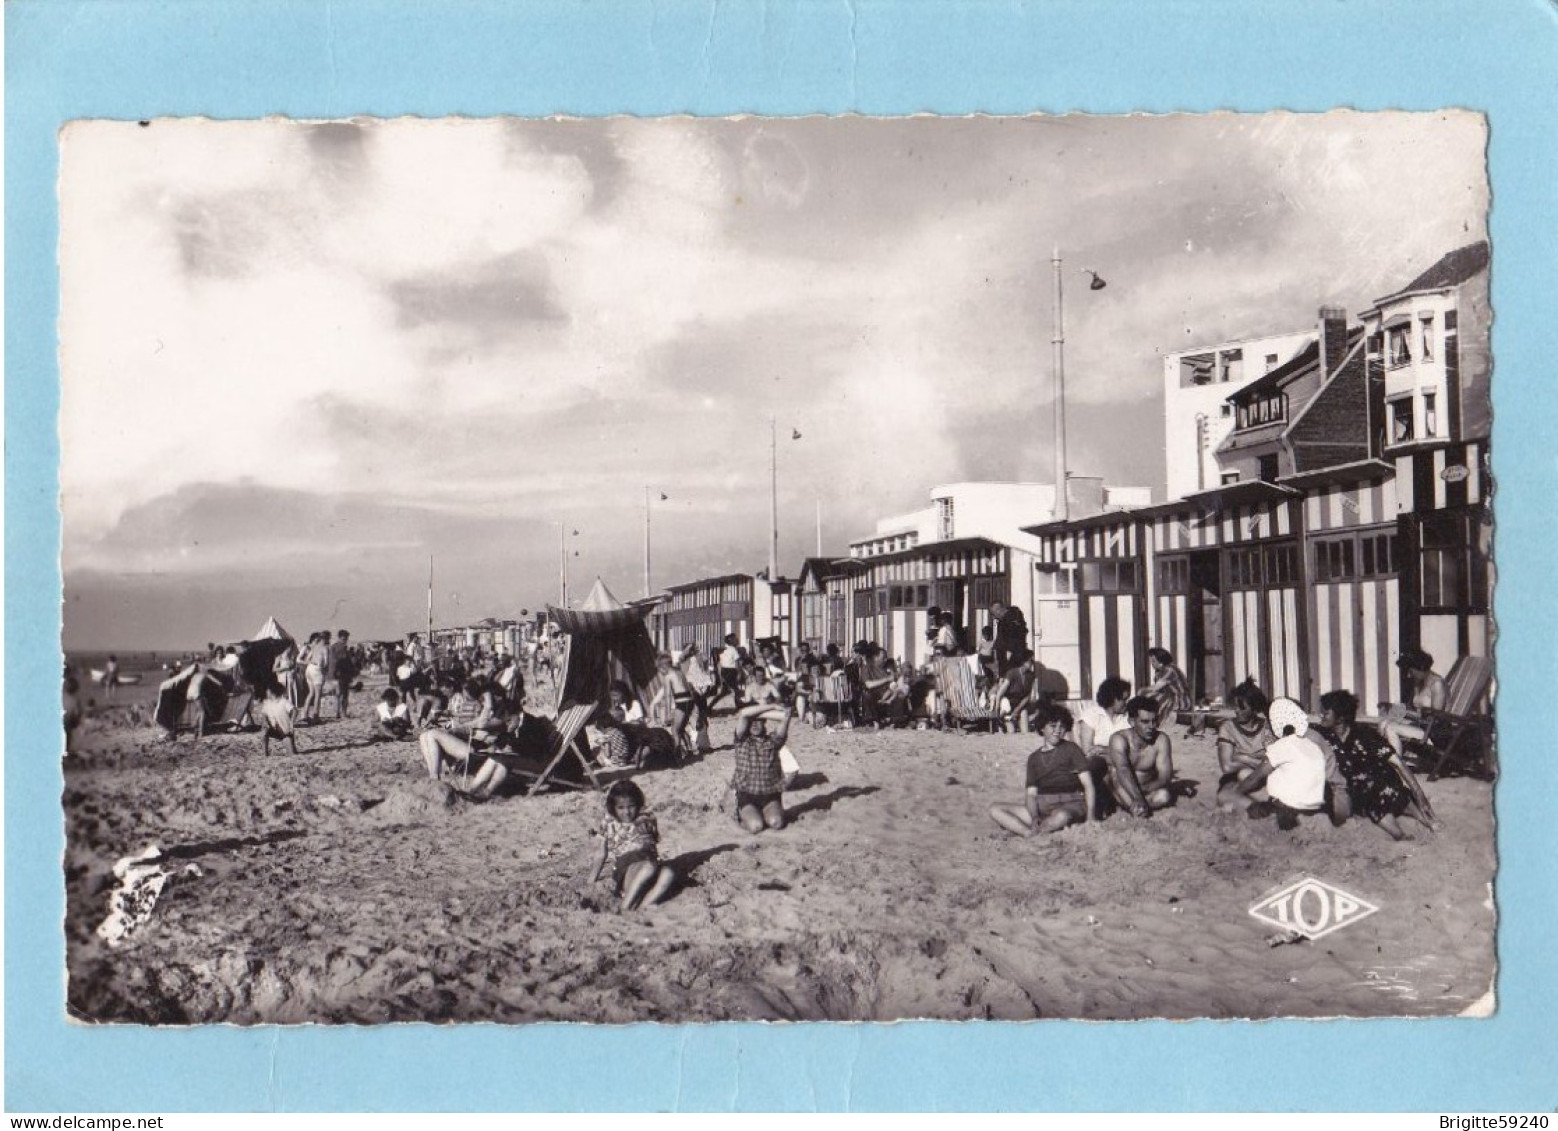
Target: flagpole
773, 499
819, 526
646, 543
562, 557
430, 600
1062, 508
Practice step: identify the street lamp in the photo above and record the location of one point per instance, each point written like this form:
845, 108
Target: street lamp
1062, 502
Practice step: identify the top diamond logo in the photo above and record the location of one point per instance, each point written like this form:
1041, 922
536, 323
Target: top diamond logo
1312, 908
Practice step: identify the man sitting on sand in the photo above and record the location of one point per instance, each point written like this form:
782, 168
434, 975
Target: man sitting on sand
1059, 782
758, 777
391, 719
1141, 761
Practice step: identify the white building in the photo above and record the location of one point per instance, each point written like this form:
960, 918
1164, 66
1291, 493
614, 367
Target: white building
1196, 414
997, 511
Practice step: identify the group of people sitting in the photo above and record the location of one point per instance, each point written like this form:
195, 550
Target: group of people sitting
1273, 760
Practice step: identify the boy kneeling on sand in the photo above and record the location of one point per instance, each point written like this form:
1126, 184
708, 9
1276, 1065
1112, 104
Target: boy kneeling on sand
1060, 789
759, 778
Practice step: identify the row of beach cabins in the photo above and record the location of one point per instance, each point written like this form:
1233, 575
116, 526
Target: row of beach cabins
1327, 509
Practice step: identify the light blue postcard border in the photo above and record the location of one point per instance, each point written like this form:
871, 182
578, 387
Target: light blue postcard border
67, 59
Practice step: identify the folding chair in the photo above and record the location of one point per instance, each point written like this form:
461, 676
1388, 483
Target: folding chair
1466, 689
955, 682
570, 722
833, 691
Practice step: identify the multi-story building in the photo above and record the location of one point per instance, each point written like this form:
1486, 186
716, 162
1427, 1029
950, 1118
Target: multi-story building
1196, 414
1344, 518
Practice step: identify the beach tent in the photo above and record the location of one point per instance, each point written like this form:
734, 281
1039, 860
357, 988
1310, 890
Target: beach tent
607, 641
272, 630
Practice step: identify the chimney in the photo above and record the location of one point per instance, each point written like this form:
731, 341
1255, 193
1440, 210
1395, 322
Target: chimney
1333, 339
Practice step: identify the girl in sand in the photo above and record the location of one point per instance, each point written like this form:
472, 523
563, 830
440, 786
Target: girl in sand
630, 840
1294, 773
1059, 783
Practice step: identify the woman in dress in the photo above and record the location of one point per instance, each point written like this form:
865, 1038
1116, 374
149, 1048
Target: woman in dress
1241, 743
1378, 781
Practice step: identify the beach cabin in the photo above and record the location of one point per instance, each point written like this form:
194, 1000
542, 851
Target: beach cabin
704, 612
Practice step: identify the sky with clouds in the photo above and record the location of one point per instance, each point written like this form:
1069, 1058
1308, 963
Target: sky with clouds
300, 358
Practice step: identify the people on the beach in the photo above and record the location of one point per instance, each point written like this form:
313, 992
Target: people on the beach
343, 669
1294, 774
1241, 744
758, 777
277, 719
630, 842
674, 686
315, 658
1378, 782
111, 677
73, 714
1171, 690
1059, 782
1141, 761
391, 718
1103, 719
1408, 722
1011, 636
1013, 697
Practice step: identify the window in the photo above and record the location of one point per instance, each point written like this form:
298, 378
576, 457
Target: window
1454, 564
1263, 566
1229, 477
1227, 410
1197, 369
944, 518
1109, 576
1401, 420
1399, 344
1271, 362
1430, 414
1268, 469
1232, 365
1427, 337
1173, 575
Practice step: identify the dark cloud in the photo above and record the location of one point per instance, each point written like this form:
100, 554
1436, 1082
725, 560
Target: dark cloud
218, 237
486, 306
339, 149
593, 145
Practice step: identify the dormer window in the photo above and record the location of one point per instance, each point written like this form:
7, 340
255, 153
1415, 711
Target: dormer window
1269, 409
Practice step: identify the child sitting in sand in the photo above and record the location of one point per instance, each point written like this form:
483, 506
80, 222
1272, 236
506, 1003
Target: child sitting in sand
1294, 775
1059, 781
391, 718
277, 719
630, 839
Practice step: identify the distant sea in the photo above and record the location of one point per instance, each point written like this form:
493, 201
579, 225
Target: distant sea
150, 666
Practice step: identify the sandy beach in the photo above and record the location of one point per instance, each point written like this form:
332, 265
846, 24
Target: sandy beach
341, 886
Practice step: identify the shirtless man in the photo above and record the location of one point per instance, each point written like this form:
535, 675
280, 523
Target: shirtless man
1141, 761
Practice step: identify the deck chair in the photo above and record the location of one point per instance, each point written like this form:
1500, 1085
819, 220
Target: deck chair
570, 723
955, 682
1463, 717
833, 691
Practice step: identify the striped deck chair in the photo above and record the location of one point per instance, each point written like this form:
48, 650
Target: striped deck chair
1463, 716
960, 698
833, 691
570, 725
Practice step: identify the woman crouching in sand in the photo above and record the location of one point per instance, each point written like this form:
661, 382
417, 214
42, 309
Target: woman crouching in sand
630, 839
1060, 789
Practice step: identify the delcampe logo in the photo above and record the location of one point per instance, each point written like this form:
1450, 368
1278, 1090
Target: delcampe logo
1312, 908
